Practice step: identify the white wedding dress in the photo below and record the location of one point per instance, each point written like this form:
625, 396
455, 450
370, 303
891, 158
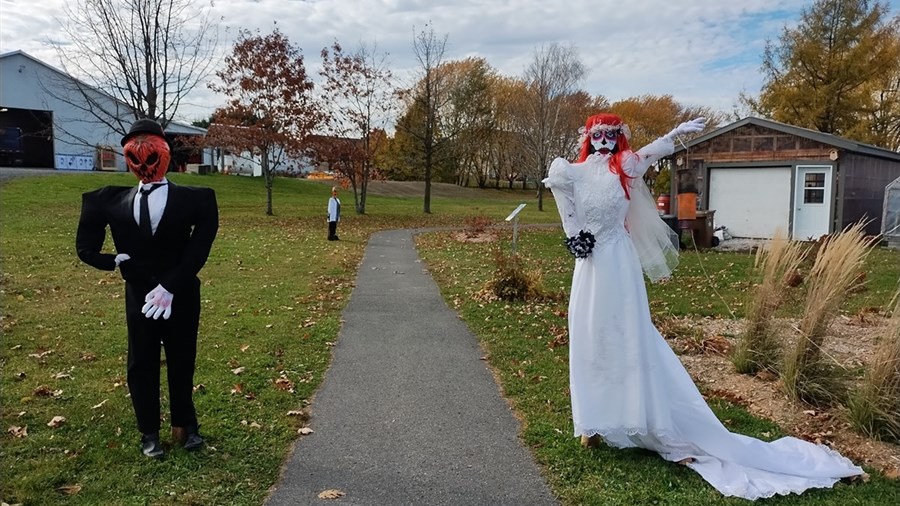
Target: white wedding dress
626, 383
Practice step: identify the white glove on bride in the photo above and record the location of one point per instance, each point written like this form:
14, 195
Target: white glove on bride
688, 127
158, 303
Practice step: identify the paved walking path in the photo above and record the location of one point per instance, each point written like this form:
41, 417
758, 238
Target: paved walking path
408, 413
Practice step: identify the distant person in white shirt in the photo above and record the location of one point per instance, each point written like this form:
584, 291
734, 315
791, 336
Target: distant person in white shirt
334, 214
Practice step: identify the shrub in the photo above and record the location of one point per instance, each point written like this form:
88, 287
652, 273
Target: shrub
476, 225
874, 407
512, 281
834, 274
758, 347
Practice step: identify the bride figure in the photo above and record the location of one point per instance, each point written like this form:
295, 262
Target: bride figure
627, 386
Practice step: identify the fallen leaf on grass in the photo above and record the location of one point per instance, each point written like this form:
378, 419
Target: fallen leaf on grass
199, 387
304, 431
17, 431
331, 493
69, 489
238, 370
245, 347
56, 421
40, 354
62, 375
99, 405
285, 384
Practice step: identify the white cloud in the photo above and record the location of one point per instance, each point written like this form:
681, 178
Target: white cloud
704, 53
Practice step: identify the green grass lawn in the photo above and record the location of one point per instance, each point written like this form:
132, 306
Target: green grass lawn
273, 290
525, 345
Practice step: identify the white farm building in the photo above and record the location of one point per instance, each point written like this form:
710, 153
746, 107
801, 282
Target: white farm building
44, 122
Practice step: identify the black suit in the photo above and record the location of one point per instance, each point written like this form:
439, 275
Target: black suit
172, 258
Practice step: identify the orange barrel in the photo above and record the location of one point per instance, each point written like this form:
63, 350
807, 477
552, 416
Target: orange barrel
663, 202
687, 206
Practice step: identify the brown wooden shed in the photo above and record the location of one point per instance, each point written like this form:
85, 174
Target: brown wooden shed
761, 175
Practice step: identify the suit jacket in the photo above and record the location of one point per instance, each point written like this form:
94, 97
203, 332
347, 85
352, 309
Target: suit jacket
175, 253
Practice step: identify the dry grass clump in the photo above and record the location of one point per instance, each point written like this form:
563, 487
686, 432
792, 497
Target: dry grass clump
874, 407
512, 281
758, 348
806, 374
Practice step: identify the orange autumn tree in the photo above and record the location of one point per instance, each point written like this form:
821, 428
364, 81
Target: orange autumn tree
270, 110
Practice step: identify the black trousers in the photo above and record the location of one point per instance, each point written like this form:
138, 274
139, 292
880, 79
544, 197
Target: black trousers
179, 339
332, 230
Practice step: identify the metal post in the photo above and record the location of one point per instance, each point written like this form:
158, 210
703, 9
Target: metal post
514, 217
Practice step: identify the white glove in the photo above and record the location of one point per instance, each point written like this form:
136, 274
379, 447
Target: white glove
158, 303
688, 127
121, 257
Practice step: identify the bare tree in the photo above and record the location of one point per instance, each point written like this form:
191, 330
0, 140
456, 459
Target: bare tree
554, 73
358, 92
148, 55
429, 95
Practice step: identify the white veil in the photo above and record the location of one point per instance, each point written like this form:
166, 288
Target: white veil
655, 242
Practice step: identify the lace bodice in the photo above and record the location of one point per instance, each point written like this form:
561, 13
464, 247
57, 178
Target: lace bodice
599, 200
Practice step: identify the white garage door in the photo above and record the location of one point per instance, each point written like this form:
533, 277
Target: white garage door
751, 202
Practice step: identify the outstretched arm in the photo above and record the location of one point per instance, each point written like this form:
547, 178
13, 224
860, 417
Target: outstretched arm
637, 165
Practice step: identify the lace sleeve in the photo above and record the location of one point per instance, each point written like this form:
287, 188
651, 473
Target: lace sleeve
636, 164
559, 180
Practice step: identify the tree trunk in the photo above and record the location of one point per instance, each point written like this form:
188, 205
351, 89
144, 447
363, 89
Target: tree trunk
268, 176
427, 207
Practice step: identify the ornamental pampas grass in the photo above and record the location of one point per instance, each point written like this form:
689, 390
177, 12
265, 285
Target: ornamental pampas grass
805, 374
758, 347
874, 407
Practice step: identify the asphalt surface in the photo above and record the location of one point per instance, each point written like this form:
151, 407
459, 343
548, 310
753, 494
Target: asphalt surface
408, 413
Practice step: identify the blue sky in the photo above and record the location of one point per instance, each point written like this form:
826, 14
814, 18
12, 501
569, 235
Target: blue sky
702, 52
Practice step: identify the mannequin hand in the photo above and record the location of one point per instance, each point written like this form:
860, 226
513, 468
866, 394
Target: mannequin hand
688, 127
158, 303
121, 257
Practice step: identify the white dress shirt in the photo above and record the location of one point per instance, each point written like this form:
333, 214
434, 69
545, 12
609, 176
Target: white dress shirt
156, 201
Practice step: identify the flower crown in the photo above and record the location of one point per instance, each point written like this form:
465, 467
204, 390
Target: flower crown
621, 128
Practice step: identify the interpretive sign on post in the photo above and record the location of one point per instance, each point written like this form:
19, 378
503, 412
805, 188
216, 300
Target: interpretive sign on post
514, 217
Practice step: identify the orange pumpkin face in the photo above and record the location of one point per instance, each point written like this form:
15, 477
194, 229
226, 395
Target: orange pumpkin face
147, 156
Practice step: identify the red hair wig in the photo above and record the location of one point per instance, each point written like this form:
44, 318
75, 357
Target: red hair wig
622, 149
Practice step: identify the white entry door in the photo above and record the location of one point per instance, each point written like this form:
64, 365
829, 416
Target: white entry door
812, 201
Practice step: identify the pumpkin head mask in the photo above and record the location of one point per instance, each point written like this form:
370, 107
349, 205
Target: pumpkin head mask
147, 156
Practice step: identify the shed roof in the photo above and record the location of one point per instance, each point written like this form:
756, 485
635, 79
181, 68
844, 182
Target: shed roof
832, 140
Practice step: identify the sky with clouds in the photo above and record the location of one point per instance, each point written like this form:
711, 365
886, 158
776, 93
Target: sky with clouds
702, 52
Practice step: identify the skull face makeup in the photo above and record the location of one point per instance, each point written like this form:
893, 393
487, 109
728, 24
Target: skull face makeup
604, 140
147, 156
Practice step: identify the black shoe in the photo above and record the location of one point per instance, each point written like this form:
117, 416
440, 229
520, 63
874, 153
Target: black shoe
151, 447
193, 441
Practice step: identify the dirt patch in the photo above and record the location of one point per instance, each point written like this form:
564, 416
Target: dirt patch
477, 238
851, 343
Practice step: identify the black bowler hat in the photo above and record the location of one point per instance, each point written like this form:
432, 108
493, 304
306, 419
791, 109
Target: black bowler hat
144, 126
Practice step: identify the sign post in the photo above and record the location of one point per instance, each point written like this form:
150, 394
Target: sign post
514, 217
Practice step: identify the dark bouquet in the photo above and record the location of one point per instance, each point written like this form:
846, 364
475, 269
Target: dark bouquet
581, 245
